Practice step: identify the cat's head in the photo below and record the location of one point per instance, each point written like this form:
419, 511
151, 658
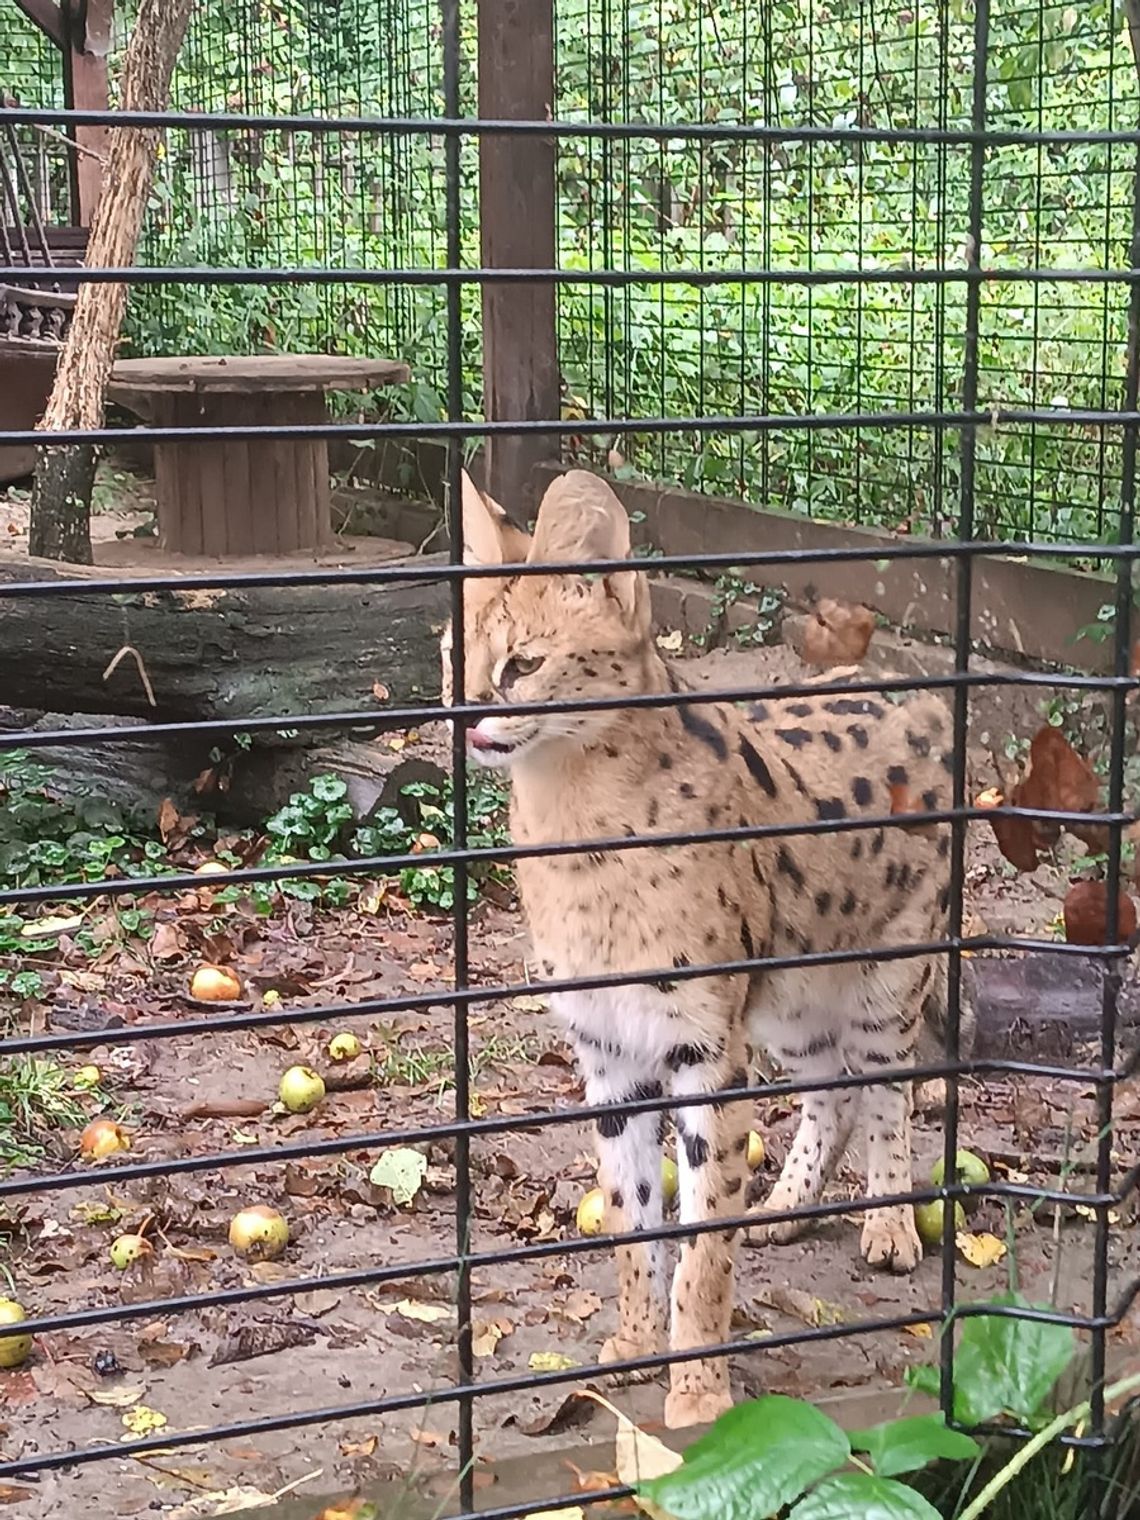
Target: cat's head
549, 638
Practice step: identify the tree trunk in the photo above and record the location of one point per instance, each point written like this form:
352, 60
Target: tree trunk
61, 498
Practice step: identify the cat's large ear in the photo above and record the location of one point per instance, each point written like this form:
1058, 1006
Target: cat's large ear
581, 519
489, 536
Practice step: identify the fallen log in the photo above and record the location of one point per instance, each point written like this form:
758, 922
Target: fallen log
230, 653
136, 772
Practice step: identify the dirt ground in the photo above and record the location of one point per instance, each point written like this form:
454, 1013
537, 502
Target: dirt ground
335, 1346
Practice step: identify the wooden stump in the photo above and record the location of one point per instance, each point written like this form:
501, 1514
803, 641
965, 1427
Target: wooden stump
231, 498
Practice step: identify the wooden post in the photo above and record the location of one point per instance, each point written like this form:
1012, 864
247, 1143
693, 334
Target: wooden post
516, 215
88, 37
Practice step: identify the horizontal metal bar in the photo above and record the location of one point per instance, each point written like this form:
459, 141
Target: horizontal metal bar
995, 417
505, 1124
387, 865
474, 126
325, 274
406, 572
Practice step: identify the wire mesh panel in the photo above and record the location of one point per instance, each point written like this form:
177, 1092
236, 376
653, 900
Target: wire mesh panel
875, 271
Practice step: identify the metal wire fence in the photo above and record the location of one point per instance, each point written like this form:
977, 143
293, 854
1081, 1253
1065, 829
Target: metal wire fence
935, 330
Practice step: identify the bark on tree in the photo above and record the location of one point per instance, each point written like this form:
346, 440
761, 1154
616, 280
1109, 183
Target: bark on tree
61, 498
230, 652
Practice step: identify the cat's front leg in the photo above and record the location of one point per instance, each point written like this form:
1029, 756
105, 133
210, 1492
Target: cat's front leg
712, 1142
629, 1172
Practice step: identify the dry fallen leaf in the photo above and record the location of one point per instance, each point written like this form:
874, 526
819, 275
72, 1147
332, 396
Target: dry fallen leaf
412, 1308
487, 1333
141, 1421
363, 1448
800, 1305
122, 1397
982, 1250
402, 1171
837, 633
638, 1455
1085, 912
11, 1494
1058, 780
671, 642
921, 1332
550, 1361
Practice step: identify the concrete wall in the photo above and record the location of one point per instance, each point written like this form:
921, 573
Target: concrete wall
1032, 610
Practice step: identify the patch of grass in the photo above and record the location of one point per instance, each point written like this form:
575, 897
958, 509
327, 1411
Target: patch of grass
36, 1099
412, 1064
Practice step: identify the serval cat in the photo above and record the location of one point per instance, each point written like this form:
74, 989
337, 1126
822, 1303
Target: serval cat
578, 776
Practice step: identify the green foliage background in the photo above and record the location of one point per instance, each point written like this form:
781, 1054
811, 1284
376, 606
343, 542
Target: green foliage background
282, 199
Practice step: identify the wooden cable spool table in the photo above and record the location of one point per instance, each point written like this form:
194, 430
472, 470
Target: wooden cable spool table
230, 498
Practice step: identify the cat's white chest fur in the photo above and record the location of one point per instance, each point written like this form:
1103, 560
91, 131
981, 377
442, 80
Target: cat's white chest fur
628, 1019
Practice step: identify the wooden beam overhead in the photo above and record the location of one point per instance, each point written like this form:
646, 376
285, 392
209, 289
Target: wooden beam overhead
47, 16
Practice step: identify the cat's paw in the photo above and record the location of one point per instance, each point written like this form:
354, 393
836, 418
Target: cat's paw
890, 1240
761, 1232
627, 1348
684, 1407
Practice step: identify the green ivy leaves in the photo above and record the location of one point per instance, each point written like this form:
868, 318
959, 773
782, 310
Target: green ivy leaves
777, 1454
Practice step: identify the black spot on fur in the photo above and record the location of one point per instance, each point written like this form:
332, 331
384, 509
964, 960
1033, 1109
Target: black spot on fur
861, 790
665, 761
800, 709
686, 789
680, 960
877, 842
859, 734
652, 813
822, 902
758, 712
746, 941
696, 1149
610, 1126
617, 1200
852, 707
686, 1055
847, 906
609, 751
722, 897
919, 743
833, 741
857, 849
944, 846
757, 769
797, 780
644, 1193
756, 871
712, 814
944, 899
830, 807
788, 866
930, 801
897, 775
644, 1091
706, 732
796, 737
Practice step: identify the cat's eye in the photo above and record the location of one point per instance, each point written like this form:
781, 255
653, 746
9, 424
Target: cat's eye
520, 665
